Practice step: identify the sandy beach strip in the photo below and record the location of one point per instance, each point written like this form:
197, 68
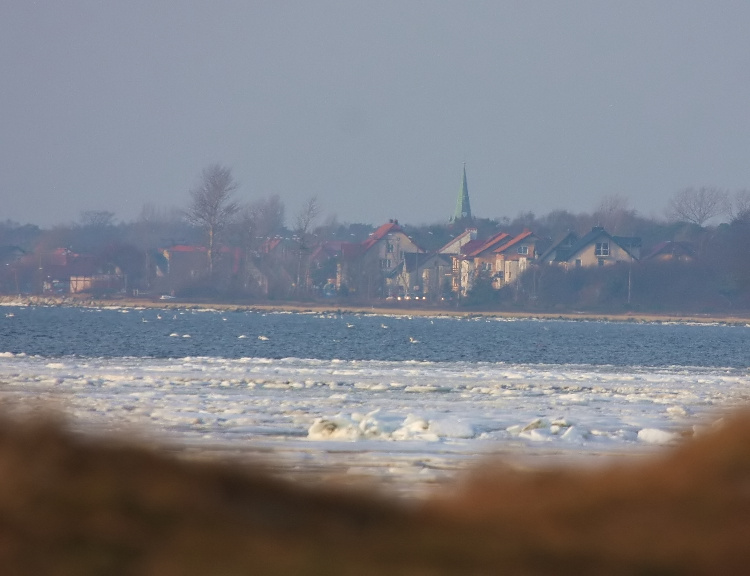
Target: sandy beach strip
338, 307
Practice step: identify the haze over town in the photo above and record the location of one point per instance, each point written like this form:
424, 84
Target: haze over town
371, 107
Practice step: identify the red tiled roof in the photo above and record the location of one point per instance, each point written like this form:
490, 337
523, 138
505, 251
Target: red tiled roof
489, 243
471, 245
514, 241
379, 234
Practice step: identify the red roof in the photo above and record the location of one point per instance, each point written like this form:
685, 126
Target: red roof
379, 234
486, 244
514, 241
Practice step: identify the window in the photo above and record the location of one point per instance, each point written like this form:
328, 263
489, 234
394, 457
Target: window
486, 266
523, 249
601, 249
385, 263
388, 248
578, 262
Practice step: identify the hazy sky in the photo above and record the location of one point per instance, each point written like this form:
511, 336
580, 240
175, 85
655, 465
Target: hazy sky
371, 106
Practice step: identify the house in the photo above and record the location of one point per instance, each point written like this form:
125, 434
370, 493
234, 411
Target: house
425, 274
558, 251
476, 258
512, 258
672, 251
372, 267
598, 248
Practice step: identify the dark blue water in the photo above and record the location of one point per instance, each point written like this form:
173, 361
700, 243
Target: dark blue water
112, 333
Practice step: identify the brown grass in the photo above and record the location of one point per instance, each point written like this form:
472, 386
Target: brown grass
74, 506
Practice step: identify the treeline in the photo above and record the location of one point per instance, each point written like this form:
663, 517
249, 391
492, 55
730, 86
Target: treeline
712, 275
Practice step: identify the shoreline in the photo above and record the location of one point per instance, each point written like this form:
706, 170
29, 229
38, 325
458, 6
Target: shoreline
338, 308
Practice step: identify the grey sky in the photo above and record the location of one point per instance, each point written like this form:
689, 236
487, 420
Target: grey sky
371, 106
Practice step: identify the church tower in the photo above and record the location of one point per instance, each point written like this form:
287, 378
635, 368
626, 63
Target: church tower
463, 208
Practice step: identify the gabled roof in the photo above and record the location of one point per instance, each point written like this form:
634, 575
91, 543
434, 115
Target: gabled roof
487, 244
465, 234
327, 249
381, 233
627, 243
470, 246
561, 247
521, 237
415, 260
672, 248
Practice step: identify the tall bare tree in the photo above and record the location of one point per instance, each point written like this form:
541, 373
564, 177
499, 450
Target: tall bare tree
304, 224
697, 205
612, 212
212, 207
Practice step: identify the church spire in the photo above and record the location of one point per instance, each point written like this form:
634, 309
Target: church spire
463, 208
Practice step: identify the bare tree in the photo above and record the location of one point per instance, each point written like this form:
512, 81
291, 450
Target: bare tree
307, 216
612, 212
212, 207
305, 220
738, 206
266, 216
697, 205
97, 218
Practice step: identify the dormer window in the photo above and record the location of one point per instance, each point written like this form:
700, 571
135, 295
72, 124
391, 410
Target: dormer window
523, 250
601, 249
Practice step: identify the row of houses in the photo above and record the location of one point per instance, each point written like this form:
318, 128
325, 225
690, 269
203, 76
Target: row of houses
388, 264
402, 268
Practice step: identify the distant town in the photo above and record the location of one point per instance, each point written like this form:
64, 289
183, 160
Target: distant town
217, 249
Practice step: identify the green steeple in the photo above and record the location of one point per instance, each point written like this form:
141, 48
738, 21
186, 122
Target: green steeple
463, 208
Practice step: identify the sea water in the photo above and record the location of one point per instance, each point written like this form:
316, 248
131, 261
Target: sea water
408, 399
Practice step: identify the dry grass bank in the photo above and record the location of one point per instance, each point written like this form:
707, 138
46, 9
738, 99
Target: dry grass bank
75, 507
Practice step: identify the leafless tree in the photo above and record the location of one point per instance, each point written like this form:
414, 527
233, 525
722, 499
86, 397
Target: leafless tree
304, 223
738, 206
212, 207
97, 218
307, 216
612, 213
266, 216
697, 205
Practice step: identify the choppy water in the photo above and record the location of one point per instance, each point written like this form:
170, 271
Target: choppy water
164, 334
410, 399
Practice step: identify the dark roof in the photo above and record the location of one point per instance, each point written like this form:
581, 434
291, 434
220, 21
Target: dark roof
627, 243
672, 248
413, 259
561, 247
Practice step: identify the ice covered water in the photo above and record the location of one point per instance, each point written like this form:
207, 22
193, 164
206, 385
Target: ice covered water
414, 418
